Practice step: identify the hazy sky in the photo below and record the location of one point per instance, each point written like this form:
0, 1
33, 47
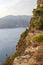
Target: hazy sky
16, 7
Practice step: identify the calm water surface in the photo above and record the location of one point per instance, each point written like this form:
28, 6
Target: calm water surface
8, 41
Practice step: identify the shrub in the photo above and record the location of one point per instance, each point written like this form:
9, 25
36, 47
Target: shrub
38, 22
38, 10
24, 34
38, 38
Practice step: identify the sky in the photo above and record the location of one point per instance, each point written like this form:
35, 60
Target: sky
16, 7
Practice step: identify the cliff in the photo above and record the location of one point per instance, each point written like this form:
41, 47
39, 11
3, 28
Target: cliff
39, 2
29, 50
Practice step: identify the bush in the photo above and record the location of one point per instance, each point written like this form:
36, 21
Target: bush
24, 34
38, 23
38, 38
38, 10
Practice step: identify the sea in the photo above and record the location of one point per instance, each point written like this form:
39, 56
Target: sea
8, 41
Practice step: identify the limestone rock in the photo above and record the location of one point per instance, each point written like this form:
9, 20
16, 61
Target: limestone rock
21, 60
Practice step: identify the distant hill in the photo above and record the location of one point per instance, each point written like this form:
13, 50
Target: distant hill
11, 21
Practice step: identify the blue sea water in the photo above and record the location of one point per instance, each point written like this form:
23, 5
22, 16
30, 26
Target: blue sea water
8, 41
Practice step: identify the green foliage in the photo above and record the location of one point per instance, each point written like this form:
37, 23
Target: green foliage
38, 10
38, 22
38, 38
24, 34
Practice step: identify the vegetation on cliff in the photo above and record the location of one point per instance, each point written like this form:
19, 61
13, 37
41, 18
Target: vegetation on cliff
37, 21
38, 38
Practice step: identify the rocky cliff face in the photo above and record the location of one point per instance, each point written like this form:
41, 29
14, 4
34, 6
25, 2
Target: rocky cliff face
39, 2
29, 50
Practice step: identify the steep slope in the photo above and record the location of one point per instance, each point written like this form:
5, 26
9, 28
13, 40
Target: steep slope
29, 50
